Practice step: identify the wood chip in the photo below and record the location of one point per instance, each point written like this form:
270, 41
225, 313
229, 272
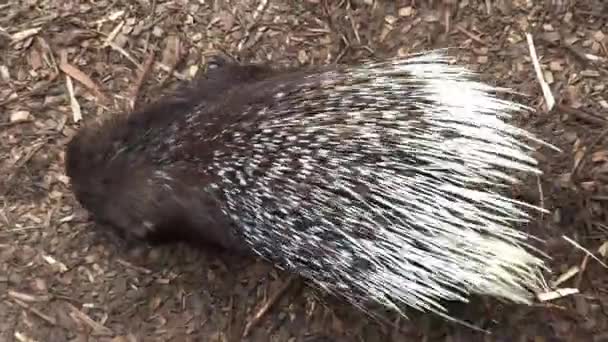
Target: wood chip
406, 11
76, 112
53, 262
560, 293
21, 337
25, 34
572, 271
25, 297
19, 116
5, 75
603, 249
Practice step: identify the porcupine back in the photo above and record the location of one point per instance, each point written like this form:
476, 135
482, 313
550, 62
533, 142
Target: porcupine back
375, 181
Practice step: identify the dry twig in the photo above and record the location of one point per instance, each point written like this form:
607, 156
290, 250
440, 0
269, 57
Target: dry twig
76, 111
588, 253
50, 320
470, 35
80, 316
549, 99
134, 267
267, 305
141, 79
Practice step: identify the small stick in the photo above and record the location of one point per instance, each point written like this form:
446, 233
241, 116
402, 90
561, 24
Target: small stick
542, 196
267, 305
133, 267
582, 115
549, 99
110, 38
124, 53
26, 297
76, 110
50, 320
471, 35
583, 267
588, 253
80, 317
141, 79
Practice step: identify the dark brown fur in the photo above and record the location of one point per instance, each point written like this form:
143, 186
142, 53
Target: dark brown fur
121, 193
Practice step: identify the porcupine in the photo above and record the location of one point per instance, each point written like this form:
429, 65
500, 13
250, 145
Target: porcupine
375, 181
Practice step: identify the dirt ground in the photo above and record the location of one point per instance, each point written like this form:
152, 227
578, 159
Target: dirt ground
59, 60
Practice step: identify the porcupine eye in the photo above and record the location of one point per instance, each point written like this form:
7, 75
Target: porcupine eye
214, 64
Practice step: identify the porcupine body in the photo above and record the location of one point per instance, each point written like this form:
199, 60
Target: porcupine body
375, 181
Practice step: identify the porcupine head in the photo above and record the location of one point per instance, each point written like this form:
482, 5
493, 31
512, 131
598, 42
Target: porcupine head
134, 182
377, 181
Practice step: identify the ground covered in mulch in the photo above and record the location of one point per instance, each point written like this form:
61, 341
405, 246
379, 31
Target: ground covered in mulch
62, 61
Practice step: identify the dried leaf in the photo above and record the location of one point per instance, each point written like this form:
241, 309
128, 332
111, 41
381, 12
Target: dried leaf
81, 77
